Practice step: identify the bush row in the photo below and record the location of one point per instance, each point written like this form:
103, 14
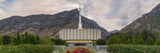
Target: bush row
133, 49
27, 49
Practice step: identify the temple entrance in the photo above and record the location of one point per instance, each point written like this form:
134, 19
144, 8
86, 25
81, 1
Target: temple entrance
80, 44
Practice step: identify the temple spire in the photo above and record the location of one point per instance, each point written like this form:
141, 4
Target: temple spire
80, 19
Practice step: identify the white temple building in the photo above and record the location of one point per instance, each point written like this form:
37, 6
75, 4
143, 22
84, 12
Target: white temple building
80, 35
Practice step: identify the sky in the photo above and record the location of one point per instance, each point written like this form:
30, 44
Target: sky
109, 14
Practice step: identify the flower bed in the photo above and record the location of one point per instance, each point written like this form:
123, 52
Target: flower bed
27, 49
80, 50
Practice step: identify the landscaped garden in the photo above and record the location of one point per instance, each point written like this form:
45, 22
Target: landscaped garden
25, 43
137, 42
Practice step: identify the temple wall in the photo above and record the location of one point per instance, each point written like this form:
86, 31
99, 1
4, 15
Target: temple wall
80, 34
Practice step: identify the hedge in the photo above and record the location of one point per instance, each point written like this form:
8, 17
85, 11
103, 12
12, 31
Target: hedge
27, 49
133, 49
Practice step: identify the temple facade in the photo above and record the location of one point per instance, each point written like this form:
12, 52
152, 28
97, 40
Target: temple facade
80, 35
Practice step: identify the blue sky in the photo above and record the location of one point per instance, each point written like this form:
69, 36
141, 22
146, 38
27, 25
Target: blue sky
110, 14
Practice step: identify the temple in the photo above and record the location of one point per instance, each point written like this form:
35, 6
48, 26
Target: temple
80, 36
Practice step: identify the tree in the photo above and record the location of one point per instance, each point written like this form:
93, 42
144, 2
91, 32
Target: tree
149, 41
11, 40
139, 39
101, 42
33, 40
27, 39
123, 39
18, 39
46, 40
37, 39
128, 41
158, 41
1, 42
147, 34
115, 40
23, 38
6, 40
133, 40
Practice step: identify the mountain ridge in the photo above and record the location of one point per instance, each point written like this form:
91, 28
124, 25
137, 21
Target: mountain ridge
149, 21
46, 24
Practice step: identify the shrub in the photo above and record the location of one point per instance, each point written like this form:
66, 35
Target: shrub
101, 42
59, 41
133, 49
27, 49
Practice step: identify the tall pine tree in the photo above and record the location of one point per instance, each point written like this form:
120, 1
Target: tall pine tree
133, 40
11, 40
18, 39
27, 39
38, 39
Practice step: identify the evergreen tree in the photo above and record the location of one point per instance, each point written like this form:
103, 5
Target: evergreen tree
128, 41
11, 40
123, 39
1, 42
133, 40
33, 40
139, 39
149, 41
23, 38
38, 39
27, 39
18, 39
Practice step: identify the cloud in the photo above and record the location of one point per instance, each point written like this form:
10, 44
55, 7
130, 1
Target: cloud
110, 14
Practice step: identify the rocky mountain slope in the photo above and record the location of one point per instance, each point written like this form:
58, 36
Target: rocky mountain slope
149, 21
45, 24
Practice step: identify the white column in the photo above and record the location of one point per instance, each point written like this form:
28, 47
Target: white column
65, 34
71, 34
91, 34
78, 34
88, 34
85, 34
75, 34
82, 34
62, 34
97, 35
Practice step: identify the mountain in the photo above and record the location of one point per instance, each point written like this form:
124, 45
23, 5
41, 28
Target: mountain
44, 24
149, 21
114, 31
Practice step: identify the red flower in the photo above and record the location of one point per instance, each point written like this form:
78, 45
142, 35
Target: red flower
68, 51
76, 51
